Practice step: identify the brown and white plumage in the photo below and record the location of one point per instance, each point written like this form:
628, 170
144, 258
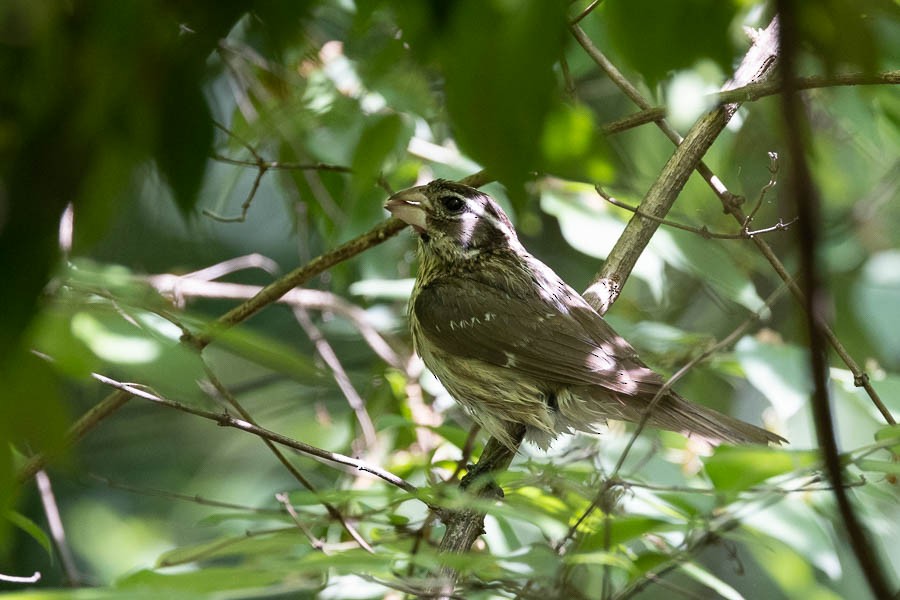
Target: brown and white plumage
513, 343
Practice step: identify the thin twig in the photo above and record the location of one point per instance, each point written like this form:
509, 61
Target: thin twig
277, 165
192, 498
262, 166
275, 290
180, 287
34, 578
570, 88
226, 420
294, 471
587, 10
808, 209
751, 92
238, 263
744, 234
245, 205
773, 172
57, 531
757, 63
340, 375
812, 486
278, 288
469, 445
285, 501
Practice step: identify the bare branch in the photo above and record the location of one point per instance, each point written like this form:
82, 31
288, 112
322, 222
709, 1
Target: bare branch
703, 232
315, 542
277, 165
57, 530
340, 375
226, 420
757, 64
275, 290
751, 92
587, 10
187, 286
34, 578
610, 288
278, 288
294, 471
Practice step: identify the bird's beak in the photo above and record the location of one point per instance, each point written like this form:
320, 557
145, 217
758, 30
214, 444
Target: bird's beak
410, 206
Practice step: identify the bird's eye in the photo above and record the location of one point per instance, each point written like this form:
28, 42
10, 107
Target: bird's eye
453, 204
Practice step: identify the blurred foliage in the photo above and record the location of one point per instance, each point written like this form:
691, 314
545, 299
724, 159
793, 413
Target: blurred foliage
161, 123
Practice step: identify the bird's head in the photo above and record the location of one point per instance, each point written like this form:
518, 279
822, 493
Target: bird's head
454, 220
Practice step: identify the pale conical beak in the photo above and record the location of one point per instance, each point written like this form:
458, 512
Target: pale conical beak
410, 206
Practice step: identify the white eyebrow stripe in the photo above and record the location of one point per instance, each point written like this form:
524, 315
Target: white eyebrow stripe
480, 211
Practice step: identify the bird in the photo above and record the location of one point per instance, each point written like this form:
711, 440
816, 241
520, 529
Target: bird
517, 346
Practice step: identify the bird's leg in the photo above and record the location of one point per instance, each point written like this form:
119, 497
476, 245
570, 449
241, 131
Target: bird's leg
496, 456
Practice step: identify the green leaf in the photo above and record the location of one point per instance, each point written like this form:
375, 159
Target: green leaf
842, 33
890, 432
610, 559
186, 135
711, 581
793, 572
735, 468
710, 262
627, 528
213, 579
31, 409
656, 38
573, 148
382, 136
498, 61
269, 352
780, 372
32, 529
880, 466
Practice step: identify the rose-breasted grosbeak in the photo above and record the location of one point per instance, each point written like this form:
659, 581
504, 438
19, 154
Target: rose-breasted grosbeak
514, 344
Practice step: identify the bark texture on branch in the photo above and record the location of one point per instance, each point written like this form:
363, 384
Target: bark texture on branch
756, 66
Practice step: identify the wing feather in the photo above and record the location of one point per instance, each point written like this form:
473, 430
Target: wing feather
550, 334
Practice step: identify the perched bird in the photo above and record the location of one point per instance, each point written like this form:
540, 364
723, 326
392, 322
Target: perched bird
516, 345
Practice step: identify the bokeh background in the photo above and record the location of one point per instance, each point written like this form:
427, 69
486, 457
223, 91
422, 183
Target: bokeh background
153, 152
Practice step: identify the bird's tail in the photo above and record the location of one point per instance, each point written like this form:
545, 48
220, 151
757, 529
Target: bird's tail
678, 414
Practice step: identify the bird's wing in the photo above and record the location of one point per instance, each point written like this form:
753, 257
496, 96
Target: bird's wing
552, 335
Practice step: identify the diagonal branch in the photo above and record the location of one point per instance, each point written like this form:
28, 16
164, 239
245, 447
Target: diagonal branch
281, 286
294, 471
226, 420
732, 206
757, 65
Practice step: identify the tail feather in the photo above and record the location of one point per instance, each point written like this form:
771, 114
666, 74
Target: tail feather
678, 414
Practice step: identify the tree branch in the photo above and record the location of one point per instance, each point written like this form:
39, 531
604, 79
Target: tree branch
755, 91
228, 397
731, 205
226, 420
278, 288
796, 136
757, 64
